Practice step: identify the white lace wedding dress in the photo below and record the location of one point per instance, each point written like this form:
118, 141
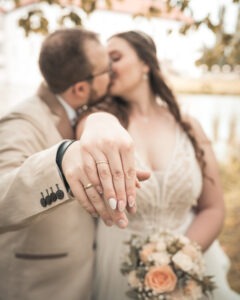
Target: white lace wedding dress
165, 200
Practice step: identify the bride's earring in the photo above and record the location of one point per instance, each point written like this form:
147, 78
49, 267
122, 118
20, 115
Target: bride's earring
145, 76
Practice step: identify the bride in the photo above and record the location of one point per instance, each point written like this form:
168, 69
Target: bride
184, 192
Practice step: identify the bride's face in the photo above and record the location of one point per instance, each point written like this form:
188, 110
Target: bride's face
128, 70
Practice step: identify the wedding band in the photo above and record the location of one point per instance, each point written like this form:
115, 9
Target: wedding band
88, 186
101, 162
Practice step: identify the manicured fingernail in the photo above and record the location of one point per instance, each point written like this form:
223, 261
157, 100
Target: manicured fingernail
109, 222
121, 206
112, 203
122, 223
99, 189
131, 201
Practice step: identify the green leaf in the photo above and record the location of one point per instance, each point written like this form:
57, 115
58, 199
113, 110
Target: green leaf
133, 294
126, 268
141, 272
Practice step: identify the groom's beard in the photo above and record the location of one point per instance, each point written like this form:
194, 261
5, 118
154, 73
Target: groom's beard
94, 99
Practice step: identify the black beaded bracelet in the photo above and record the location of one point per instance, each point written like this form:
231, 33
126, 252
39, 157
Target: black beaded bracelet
59, 157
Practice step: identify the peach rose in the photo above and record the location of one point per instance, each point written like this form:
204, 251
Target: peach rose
161, 279
146, 251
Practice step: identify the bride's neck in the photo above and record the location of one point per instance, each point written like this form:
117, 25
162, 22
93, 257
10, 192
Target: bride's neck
143, 109
142, 103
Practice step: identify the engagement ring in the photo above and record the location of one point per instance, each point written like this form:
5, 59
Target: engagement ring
88, 186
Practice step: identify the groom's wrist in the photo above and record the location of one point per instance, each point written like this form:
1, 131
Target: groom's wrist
59, 157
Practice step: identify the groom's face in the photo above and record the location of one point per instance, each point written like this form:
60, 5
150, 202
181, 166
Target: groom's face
100, 77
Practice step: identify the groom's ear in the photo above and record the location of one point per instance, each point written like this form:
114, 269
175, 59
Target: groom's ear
81, 89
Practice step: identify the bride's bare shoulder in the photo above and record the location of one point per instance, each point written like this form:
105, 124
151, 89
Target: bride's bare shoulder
196, 129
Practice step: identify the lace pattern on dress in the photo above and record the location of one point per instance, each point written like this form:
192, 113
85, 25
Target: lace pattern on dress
168, 196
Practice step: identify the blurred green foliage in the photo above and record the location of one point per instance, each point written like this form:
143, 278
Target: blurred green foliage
225, 51
230, 236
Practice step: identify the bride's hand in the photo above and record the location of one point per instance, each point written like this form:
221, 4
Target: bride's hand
103, 161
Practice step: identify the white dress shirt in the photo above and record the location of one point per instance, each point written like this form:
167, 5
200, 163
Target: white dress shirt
71, 113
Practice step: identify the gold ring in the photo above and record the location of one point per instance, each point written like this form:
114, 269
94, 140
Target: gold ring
88, 186
101, 162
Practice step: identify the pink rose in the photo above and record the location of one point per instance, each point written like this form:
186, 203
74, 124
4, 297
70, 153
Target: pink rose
161, 279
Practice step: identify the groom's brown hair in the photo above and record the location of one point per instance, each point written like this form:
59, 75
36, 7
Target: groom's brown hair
63, 60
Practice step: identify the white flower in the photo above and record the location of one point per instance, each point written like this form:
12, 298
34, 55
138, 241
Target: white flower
198, 269
161, 246
183, 261
154, 238
133, 280
192, 252
197, 258
160, 258
183, 239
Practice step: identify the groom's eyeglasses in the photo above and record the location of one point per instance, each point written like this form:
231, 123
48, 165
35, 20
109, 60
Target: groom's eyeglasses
108, 70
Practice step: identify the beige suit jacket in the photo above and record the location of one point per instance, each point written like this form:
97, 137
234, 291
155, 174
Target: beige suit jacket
45, 252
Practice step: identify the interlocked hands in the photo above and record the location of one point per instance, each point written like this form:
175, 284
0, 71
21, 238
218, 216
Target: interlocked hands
100, 169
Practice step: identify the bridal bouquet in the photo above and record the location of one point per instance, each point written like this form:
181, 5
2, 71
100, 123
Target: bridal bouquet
165, 266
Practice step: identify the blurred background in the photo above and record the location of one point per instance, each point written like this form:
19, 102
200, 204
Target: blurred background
198, 46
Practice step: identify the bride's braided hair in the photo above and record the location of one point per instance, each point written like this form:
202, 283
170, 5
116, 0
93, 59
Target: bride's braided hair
146, 50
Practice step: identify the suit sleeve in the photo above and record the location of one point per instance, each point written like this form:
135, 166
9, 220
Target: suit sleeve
28, 173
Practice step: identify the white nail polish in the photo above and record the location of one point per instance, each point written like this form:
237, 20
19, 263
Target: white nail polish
112, 203
121, 206
131, 201
121, 223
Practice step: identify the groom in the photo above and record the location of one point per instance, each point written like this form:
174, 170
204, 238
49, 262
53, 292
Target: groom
47, 238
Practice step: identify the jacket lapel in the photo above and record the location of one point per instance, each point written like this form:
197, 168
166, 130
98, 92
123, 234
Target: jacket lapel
62, 122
